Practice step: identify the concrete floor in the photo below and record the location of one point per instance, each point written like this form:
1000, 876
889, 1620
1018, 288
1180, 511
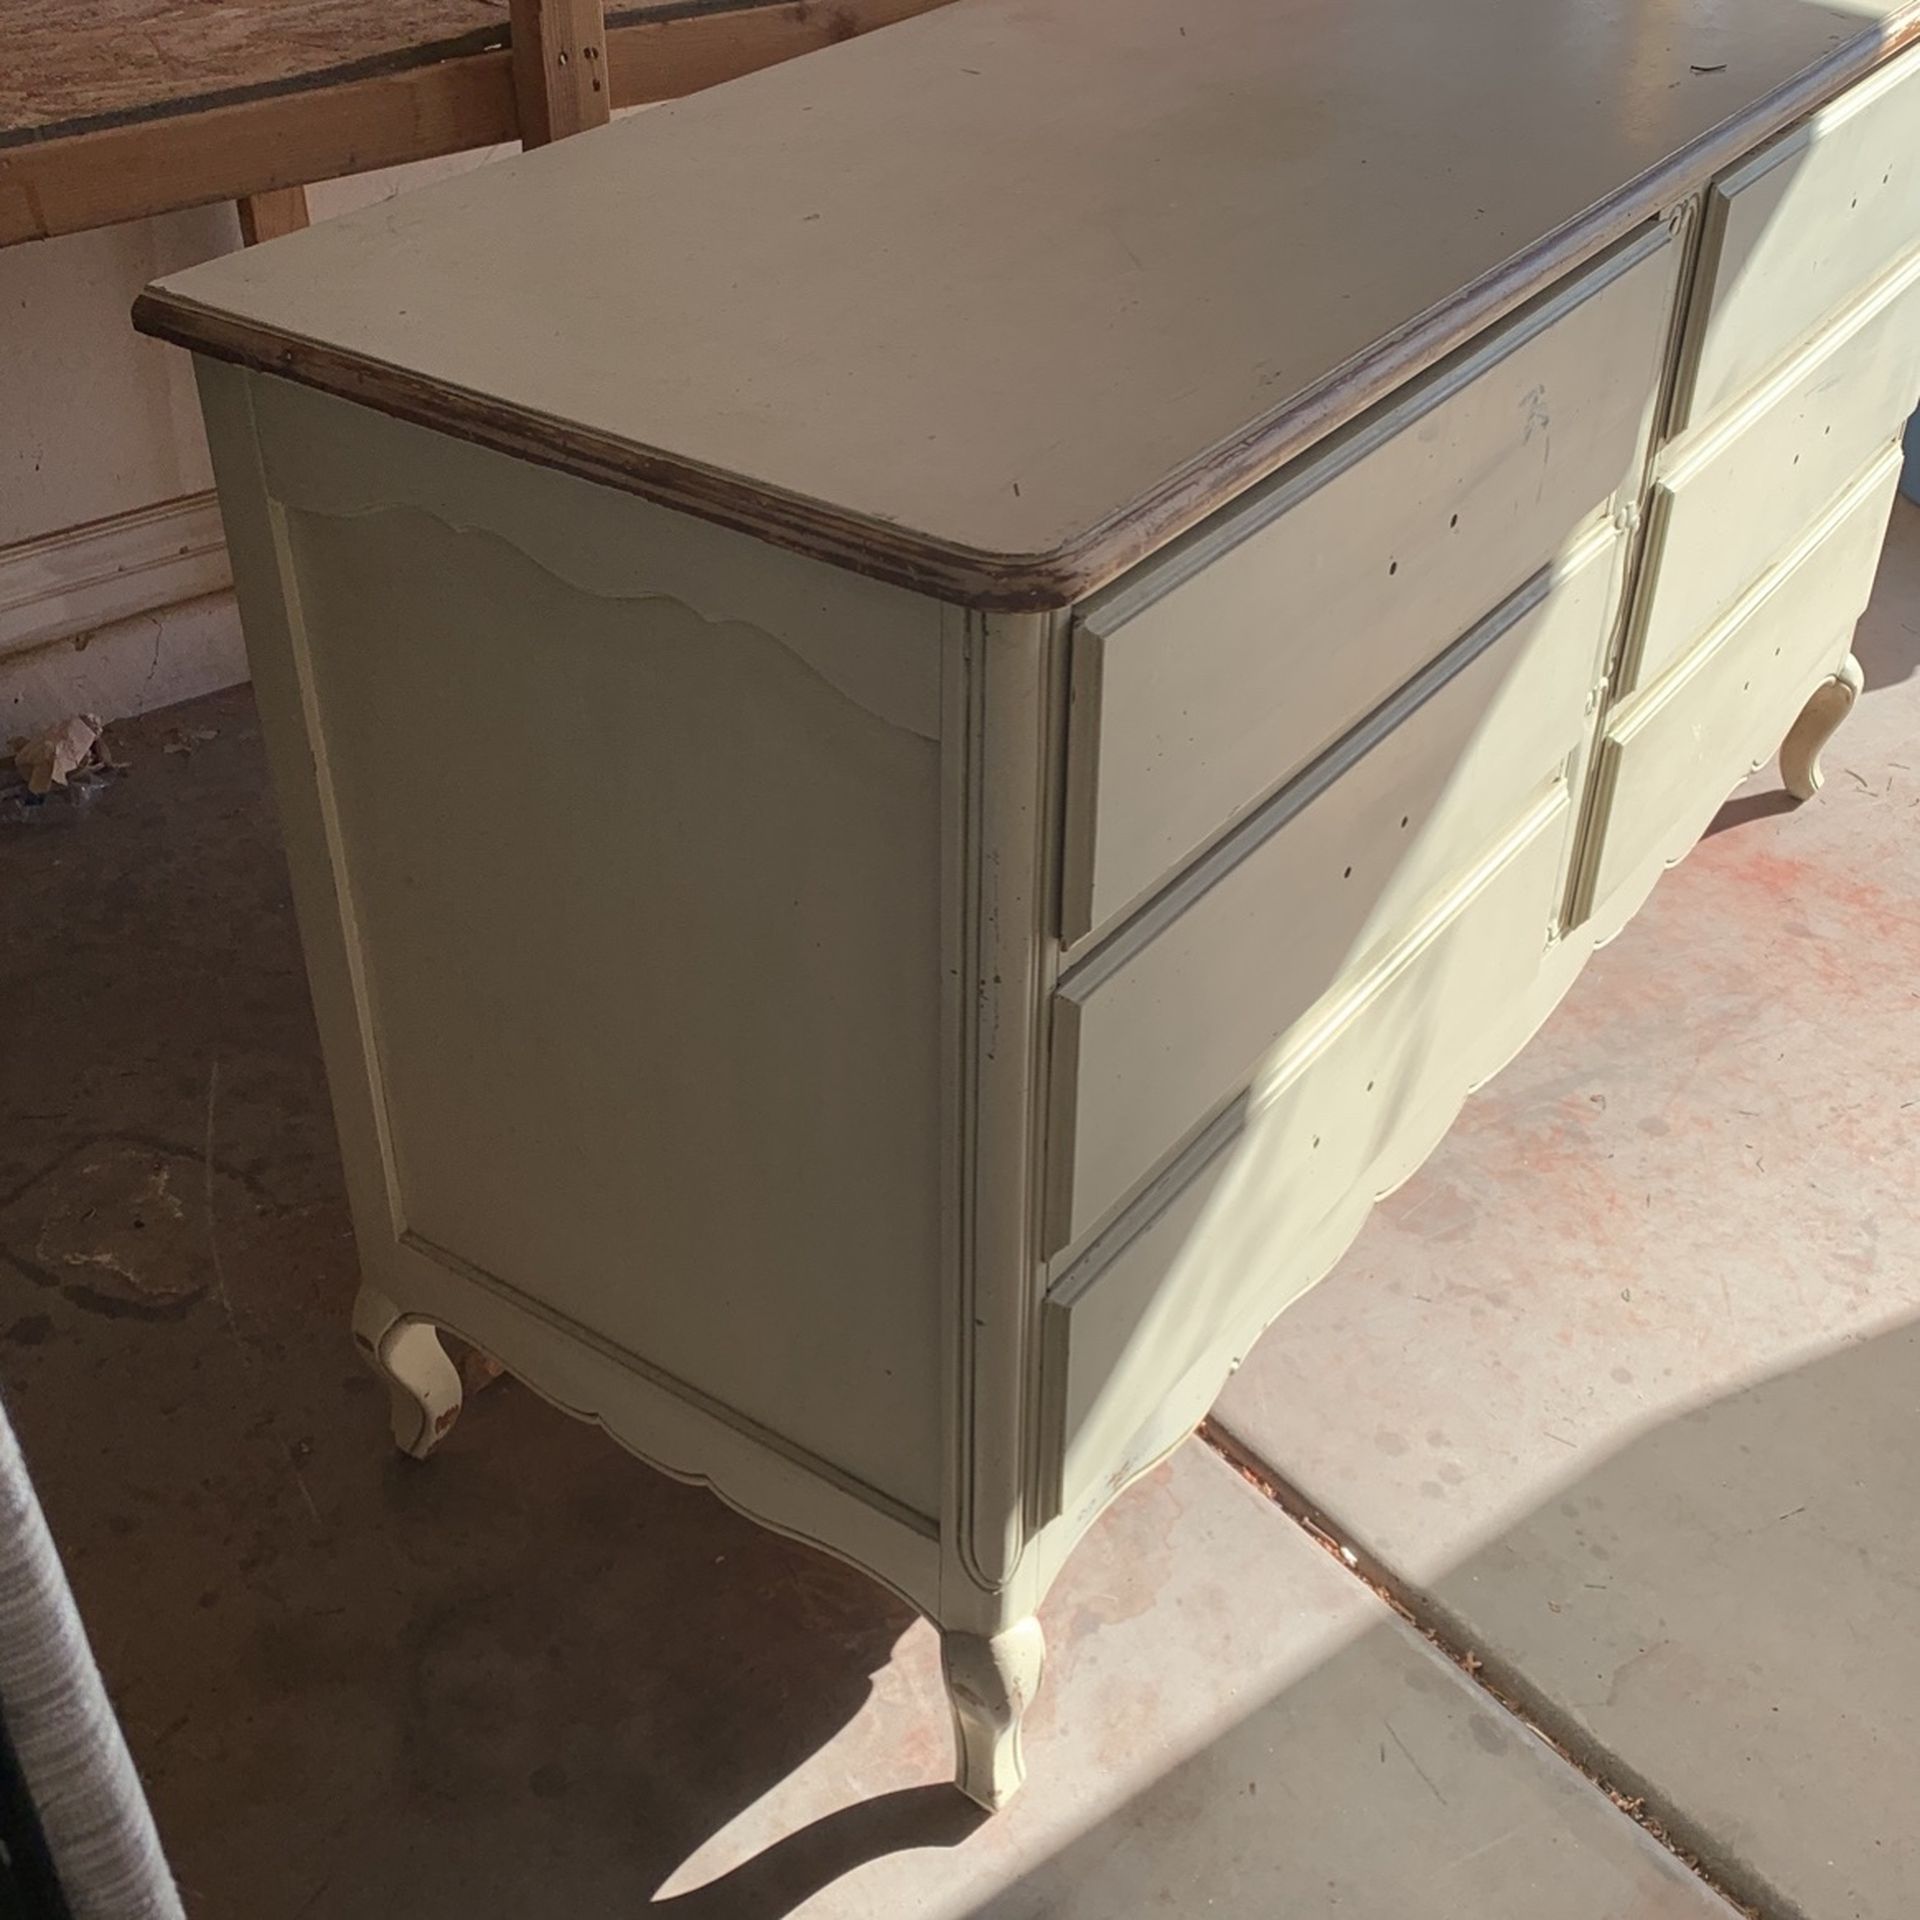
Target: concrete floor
1619, 1394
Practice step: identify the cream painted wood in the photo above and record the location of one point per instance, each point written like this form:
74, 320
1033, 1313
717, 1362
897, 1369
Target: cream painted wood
1383, 1059
1673, 753
1826, 709
423, 1384
1800, 229
1217, 671
1158, 1027
1116, 255
990, 1683
577, 1364
341, 461
680, 884
1730, 500
684, 904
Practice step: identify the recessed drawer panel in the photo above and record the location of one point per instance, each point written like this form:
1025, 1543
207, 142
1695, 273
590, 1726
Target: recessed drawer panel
1731, 501
1208, 677
1154, 1313
1674, 752
1156, 1029
1803, 226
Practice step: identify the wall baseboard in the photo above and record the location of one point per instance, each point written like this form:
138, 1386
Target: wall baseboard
127, 667
84, 578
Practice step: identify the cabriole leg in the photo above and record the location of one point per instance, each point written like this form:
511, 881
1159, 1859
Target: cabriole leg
990, 1683
423, 1384
1819, 719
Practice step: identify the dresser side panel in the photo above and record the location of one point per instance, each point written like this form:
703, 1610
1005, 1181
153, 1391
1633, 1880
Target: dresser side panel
644, 908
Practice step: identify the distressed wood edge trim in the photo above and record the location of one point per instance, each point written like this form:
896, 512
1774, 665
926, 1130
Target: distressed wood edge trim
957, 576
1042, 581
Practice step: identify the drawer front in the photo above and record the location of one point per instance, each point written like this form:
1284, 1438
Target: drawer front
1674, 752
1801, 228
1159, 1027
1730, 502
1159, 1309
1209, 677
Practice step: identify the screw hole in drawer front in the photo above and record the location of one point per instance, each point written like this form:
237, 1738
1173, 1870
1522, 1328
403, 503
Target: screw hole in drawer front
1673, 752
1162, 1019
1186, 716
1731, 499
1166, 1300
1800, 229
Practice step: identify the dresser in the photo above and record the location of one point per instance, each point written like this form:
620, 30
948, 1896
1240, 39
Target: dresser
934, 709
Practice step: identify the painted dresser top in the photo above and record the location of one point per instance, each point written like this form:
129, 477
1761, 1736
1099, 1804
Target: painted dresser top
995, 301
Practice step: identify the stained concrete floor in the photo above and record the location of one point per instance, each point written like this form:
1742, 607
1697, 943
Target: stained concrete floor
1619, 1395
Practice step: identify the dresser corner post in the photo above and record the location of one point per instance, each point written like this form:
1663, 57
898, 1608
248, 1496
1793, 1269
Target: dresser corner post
266, 583
1003, 690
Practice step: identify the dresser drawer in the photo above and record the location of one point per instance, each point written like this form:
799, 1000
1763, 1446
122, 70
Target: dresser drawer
1153, 1031
1141, 1330
1730, 501
1207, 678
1799, 229
1674, 752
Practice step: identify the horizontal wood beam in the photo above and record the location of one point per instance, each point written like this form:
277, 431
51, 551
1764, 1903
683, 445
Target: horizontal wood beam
289, 139
258, 146
662, 59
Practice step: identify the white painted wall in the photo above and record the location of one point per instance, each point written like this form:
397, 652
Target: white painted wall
96, 425
96, 419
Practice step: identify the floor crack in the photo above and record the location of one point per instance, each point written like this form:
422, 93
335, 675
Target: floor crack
1736, 1883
